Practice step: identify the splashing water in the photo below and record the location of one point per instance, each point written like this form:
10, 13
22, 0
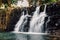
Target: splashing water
36, 24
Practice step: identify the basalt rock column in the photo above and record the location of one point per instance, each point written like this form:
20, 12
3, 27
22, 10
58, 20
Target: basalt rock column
2, 20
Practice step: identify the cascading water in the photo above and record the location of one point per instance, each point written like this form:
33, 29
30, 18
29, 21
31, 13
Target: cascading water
34, 19
47, 23
19, 27
19, 23
36, 24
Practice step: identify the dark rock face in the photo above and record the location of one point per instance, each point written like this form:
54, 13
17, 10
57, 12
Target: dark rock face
14, 17
54, 23
53, 11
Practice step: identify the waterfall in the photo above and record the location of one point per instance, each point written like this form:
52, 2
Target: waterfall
19, 23
36, 24
47, 23
34, 19
19, 27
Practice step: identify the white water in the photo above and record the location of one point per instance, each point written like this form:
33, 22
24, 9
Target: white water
47, 23
19, 23
36, 24
34, 19
19, 27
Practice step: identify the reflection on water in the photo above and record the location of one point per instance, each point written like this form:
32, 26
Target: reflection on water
20, 36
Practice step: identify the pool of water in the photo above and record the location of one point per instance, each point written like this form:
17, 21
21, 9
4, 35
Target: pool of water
21, 36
